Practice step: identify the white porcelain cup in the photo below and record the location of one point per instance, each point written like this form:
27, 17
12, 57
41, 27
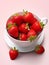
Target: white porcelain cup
25, 44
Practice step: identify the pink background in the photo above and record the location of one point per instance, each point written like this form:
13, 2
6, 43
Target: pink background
8, 7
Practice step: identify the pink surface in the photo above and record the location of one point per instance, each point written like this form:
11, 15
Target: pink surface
8, 7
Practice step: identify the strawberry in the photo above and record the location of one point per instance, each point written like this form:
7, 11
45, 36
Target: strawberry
17, 19
34, 20
24, 28
23, 37
13, 53
37, 26
13, 31
39, 49
29, 17
31, 35
10, 21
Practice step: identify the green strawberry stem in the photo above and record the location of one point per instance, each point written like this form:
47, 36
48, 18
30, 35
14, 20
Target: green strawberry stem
16, 14
14, 48
31, 38
42, 24
10, 25
27, 26
24, 12
37, 48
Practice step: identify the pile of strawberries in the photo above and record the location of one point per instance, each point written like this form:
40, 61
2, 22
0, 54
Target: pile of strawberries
24, 26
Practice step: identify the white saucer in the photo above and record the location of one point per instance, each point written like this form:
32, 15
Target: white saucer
23, 49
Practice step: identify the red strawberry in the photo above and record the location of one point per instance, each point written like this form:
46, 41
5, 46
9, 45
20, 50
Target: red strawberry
29, 17
10, 21
34, 20
17, 19
31, 35
39, 49
23, 37
13, 31
24, 28
37, 26
13, 54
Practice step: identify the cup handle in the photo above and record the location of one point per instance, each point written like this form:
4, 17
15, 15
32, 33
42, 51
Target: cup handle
44, 20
